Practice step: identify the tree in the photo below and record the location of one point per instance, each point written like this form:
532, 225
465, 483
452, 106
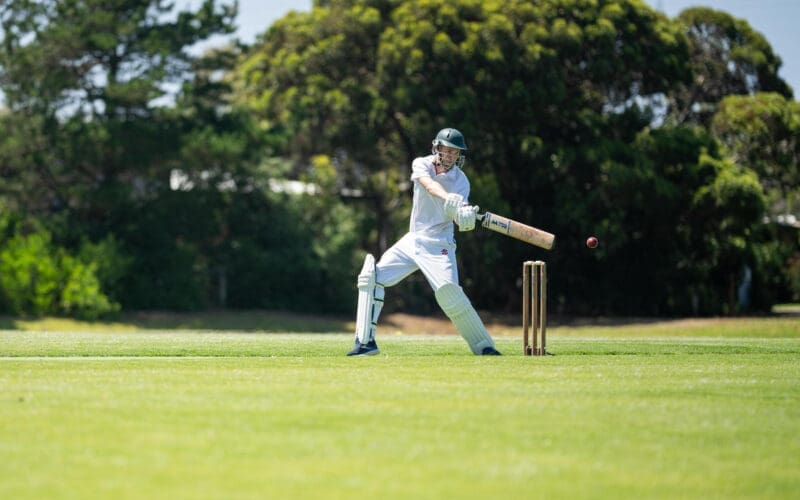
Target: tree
90, 141
311, 82
762, 132
82, 80
728, 57
540, 90
116, 131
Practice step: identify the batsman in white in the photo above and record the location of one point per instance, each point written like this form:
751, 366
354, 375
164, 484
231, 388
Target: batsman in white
441, 192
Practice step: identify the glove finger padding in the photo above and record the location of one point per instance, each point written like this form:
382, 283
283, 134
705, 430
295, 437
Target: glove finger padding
451, 205
465, 217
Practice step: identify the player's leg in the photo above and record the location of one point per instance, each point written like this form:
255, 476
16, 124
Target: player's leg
369, 298
394, 265
458, 308
438, 264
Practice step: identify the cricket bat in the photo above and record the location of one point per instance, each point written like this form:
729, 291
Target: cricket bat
518, 230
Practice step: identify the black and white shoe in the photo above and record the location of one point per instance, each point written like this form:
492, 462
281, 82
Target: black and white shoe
490, 351
368, 349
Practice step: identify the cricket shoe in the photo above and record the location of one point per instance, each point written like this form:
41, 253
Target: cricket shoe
368, 349
490, 351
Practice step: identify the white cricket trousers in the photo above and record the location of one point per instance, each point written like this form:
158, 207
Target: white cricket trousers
435, 257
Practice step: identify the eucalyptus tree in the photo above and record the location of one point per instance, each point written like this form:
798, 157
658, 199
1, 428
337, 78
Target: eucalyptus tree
727, 57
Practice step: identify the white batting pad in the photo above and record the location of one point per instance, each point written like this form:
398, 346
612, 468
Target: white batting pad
370, 301
457, 307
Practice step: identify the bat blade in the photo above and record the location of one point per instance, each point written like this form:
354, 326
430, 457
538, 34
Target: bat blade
518, 230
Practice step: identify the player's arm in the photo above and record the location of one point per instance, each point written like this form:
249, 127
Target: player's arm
451, 200
455, 207
433, 187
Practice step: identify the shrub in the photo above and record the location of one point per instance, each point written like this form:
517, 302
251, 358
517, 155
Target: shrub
81, 294
29, 274
40, 278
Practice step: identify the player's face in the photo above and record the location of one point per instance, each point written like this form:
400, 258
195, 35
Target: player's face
448, 155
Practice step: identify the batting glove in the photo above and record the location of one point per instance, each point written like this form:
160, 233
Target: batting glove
465, 217
451, 204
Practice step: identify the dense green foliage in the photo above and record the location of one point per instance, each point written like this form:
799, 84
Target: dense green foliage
558, 102
166, 174
91, 150
38, 277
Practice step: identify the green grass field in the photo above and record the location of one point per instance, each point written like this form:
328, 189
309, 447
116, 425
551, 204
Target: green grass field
687, 409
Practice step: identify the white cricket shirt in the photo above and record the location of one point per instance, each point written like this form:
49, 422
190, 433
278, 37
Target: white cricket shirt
427, 212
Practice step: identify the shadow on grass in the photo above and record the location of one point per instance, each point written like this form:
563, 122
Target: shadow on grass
289, 322
243, 321
239, 321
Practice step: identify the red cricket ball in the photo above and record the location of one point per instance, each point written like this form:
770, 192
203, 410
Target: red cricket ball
592, 242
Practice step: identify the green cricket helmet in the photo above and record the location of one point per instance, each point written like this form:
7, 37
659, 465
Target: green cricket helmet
451, 138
